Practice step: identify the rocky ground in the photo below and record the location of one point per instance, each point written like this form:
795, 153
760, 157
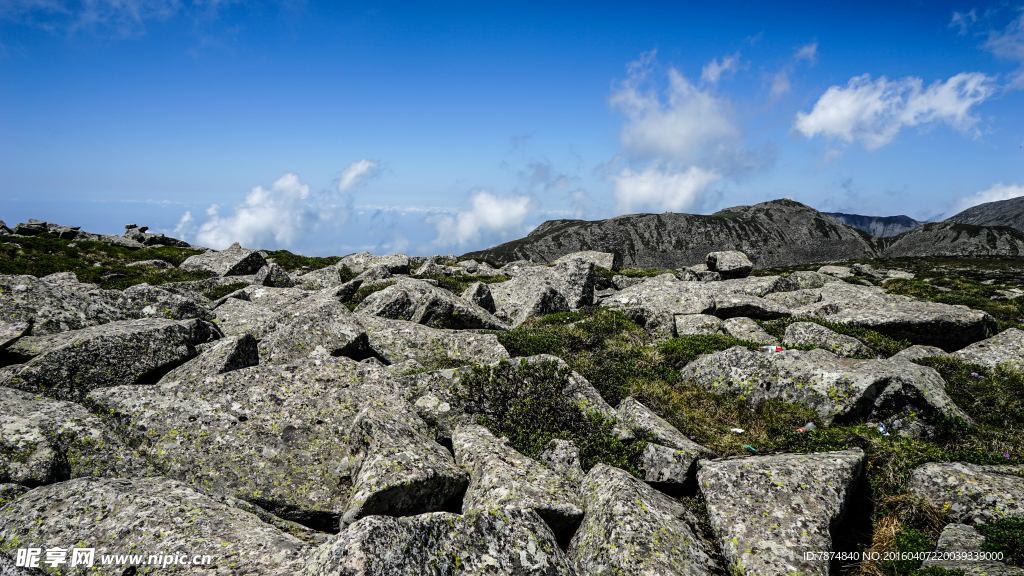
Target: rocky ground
397, 415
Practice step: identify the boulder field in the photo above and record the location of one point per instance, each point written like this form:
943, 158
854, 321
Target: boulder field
317, 424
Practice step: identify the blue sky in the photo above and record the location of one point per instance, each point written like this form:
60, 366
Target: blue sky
330, 128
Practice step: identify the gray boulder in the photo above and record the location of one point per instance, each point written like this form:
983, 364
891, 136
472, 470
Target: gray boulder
236, 317
655, 302
969, 493
768, 511
605, 260
541, 290
903, 395
917, 352
53, 308
362, 261
622, 282
501, 477
9, 493
730, 264
479, 294
837, 271
816, 335
319, 279
795, 298
422, 303
563, 456
145, 301
375, 274
11, 331
963, 541
432, 268
44, 441
1005, 348
234, 261
631, 529
158, 264
697, 325
747, 329
274, 276
801, 280
513, 542
68, 365
741, 305
397, 468
148, 516
670, 457
319, 324
400, 340
230, 353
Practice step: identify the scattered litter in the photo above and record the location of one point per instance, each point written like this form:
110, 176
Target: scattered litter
737, 430
807, 427
771, 348
881, 428
749, 447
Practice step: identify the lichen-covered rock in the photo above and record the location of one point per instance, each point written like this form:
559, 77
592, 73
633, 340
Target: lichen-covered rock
622, 282
274, 276
432, 268
816, 335
801, 280
670, 456
44, 441
231, 353
606, 260
400, 340
507, 542
321, 278
274, 435
746, 329
541, 290
1005, 348
54, 307
697, 325
236, 317
917, 352
795, 298
375, 274
147, 516
837, 271
969, 493
318, 324
741, 305
145, 301
398, 468
362, 261
632, 529
423, 303
501, 477
563, 456
668, 467
903, 395
655, 302
10, 493
234, 261
158, 264
768, 511
730, 264
11, 331
964, 542
67, 365
479, 294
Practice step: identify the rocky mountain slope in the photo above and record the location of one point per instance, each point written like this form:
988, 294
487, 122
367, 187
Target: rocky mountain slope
949, 238
881, 226
385, 415
999, 213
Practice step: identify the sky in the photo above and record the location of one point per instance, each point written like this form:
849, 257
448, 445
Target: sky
327, 128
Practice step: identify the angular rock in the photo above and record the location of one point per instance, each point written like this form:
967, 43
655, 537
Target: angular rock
501, 477
902, 395
747, 329
516, 304
837, 271
234, 261
145, 301
66, 366
231, 353
801, 280
654, 303
148, 516
916, 352
274, 276
563, 456
479, 294
513, 542
432, 268
1005, 348
964, 541
768, 511
606, 260
398, 468
969, 493
622, 282
697, 325
358, 263
739, 305
44, 441
540, 290
274, 435
11, 331
622, 515
730, 264
670, 457
236, 317
319, 323
400, 340
61, 278
158, 264
10, 493
375, 274
816, 335
420, 302
325, 277
53, 308
795, 298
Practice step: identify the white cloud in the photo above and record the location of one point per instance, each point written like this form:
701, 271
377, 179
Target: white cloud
661, 189
686, 124
356, 172
501, 217
780, 84
186, 226
872, 112
808, 52
712, 71
963, 21
1009, 44
997, 192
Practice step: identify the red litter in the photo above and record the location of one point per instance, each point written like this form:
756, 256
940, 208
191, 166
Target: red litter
771, 348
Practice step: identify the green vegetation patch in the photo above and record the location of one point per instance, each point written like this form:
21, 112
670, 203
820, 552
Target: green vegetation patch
629, 272
1009, 313
1006, 536
881, 344
291, 262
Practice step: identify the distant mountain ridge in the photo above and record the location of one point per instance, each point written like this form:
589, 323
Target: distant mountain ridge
999, 213
880, 226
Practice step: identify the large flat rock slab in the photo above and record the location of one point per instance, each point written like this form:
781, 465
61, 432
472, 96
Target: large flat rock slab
68, 365
56, 307
234, 261
1005, 348
901, 394
147, 516
401, 340
971, 494
632, 529
769, 510
513, 542
318, 324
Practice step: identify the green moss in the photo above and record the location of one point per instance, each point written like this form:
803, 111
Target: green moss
291, 262
1006, 536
